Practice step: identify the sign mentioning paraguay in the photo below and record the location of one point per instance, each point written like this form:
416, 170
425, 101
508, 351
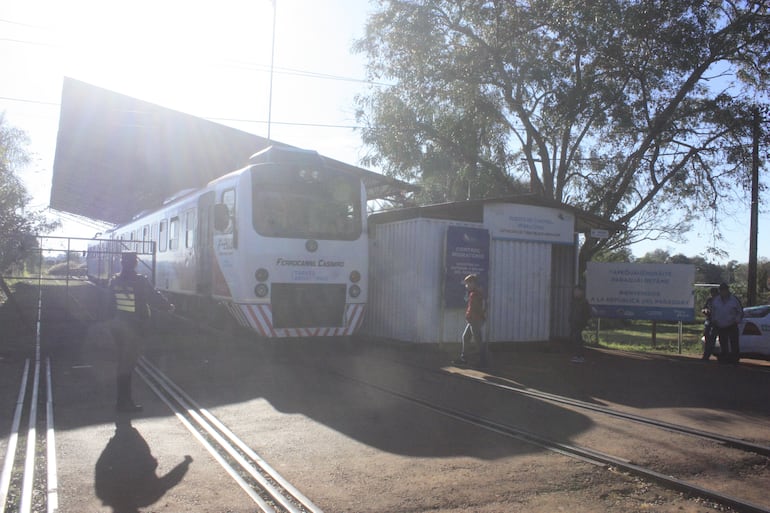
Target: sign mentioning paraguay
529, 222
658, 292
467, 252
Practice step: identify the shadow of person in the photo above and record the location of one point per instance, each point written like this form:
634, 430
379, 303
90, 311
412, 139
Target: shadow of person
125, 476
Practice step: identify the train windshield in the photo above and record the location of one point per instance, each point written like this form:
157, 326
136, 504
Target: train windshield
305, 202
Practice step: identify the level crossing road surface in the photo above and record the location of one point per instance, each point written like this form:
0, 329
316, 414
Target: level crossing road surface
306, 407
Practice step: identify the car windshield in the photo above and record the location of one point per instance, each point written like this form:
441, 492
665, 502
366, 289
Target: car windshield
310, 204
755, 312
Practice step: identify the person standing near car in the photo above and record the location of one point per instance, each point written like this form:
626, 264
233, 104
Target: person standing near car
709, 330
726, 313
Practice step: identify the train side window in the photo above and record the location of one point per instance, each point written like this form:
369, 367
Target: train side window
145, 238
228, 198
163, 235
173, 234
189, 234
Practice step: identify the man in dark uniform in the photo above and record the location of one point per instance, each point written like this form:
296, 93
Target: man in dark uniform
133, 295
579, 315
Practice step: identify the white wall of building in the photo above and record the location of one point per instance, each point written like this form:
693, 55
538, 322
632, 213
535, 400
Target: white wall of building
527, 300
405, 288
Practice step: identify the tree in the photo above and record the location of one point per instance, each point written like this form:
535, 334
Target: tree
17, 225
635, 111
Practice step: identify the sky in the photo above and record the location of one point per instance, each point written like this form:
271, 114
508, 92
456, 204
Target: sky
213, 60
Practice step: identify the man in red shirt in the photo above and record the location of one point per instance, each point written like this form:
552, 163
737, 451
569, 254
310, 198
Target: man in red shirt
475, 315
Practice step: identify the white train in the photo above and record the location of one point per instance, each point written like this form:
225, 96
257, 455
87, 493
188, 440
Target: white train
281, 243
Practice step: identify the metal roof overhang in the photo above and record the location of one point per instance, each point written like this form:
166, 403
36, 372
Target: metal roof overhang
473, 211
117, 156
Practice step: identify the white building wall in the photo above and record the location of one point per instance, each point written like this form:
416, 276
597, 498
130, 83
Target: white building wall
529, 284
519, 291
406, 282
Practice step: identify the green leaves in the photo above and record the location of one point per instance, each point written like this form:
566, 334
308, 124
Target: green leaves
623, 107
17, 226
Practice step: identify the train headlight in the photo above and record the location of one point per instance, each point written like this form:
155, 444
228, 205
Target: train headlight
354, 291
261, 290
355, 276
261, 274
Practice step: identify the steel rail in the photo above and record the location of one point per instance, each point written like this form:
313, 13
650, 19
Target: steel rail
261, 503
256, 470
52, 479
270, 471
10, 455
735, 443
575, 451
728, 441
229, 449
29, 462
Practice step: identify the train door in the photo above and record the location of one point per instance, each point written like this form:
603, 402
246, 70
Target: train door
205, 242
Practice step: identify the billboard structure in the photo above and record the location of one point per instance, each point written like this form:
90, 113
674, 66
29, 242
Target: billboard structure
658, 292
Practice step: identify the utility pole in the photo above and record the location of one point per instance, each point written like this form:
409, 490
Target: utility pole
752, 275
272, 63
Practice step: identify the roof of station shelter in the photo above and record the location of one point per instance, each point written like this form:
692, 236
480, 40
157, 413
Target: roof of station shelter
472, 211
117, 156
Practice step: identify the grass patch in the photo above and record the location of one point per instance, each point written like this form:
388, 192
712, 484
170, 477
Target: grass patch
637, 335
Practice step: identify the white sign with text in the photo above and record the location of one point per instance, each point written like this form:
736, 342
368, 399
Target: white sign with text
529, 222
663, 292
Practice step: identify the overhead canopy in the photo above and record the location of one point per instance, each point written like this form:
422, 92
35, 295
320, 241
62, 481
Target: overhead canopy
117, 156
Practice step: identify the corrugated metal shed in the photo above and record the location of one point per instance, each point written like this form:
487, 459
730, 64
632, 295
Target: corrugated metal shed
117, 156
406, 282
519, 291
530, 281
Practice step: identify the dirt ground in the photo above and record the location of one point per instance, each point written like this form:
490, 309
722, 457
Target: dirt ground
351, 448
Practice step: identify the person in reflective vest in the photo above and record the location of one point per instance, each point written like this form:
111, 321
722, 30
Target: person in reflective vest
133, 295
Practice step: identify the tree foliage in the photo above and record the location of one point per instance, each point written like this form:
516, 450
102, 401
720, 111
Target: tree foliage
636, 111
18, 226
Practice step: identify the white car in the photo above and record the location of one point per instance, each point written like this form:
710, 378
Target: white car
754, 332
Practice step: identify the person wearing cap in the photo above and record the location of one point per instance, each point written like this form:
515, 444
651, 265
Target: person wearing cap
133, 295
475, 315
726, 313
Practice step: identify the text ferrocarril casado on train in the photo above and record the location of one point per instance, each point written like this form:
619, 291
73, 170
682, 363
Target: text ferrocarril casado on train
310, 263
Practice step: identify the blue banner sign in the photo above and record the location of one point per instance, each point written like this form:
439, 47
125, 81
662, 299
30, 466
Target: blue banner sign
467, 252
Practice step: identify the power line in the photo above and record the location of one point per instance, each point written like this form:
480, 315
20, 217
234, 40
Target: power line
287, 123
245, 65
39, 102
11, 22
235, 120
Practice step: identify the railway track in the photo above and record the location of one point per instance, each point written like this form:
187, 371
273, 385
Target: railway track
268, 489
727, 441
606, 460
506, 385
28, 481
